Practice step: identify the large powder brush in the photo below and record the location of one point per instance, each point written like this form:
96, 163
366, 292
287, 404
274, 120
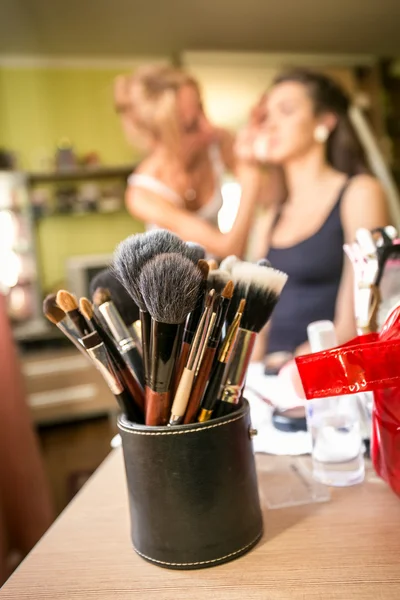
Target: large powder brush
129, 259
170, 286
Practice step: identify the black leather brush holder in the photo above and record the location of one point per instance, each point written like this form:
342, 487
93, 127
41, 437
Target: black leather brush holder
193, 493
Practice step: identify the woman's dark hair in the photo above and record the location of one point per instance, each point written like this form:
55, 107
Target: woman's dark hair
344, 151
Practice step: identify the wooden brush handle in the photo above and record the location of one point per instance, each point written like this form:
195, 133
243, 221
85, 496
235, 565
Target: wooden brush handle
199, 386
183, 393
158, 407
134, 388
181, 364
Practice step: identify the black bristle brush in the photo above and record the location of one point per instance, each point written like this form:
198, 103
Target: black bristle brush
261, 287
129, 259
217, 280
169, 286
195, 252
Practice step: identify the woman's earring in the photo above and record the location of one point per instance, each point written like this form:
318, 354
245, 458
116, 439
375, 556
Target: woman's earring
321, 133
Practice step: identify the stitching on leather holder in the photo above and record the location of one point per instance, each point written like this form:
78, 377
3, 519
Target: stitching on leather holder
201, 562
198, 429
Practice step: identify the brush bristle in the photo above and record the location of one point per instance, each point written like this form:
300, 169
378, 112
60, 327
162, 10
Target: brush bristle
227, 292
195, 252
262, 276
242, 305
204, 268
133, 253
100, 296
66, 301
264, 262
170, 284
217, 280
51, 311
261, 287
86, 308
123, 301
228, 262
212, 263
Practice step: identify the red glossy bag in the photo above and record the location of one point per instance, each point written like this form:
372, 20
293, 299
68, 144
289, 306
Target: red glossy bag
366, 363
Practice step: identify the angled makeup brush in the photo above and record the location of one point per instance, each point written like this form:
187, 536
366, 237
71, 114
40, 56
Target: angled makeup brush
191, 326
169, 285
120, 332
55, 315
261, 286
123, 301
130, 257
209, 355
214, 388
132, 385
69, 304
102, 361
186, 381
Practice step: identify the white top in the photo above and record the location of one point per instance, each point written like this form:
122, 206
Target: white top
208, 212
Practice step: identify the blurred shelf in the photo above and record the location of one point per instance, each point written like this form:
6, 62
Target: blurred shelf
80, 215
35, 329
80, 174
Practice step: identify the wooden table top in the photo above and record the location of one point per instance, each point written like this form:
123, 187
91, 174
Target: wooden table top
347, 548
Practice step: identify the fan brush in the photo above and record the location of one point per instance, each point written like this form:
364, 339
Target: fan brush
261, 287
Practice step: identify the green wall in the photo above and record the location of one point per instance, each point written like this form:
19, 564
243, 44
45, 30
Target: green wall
39, 106
62, 236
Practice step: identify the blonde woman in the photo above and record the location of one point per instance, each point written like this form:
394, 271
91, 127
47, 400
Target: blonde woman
178, 184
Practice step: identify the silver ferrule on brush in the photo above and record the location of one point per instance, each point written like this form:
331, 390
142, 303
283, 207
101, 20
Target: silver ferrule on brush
70, 330
237, 366
117, 327
103, 363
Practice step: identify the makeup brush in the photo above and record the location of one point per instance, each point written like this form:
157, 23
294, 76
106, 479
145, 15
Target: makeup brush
214, 388
132, 385
123, 301
212, 263
102, 361
264, 262
367, 293
186, 381
217, 280
191, 326
120, 332
169, 285
55, 315
195, 252
129, 258
261, 286
209, 355
228, 262
69, 304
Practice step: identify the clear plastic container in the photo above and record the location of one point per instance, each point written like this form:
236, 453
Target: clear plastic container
334, 423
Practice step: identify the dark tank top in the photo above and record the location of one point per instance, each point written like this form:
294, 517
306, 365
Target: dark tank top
315, 268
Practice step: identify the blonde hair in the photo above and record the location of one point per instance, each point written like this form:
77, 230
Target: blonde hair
151, 95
